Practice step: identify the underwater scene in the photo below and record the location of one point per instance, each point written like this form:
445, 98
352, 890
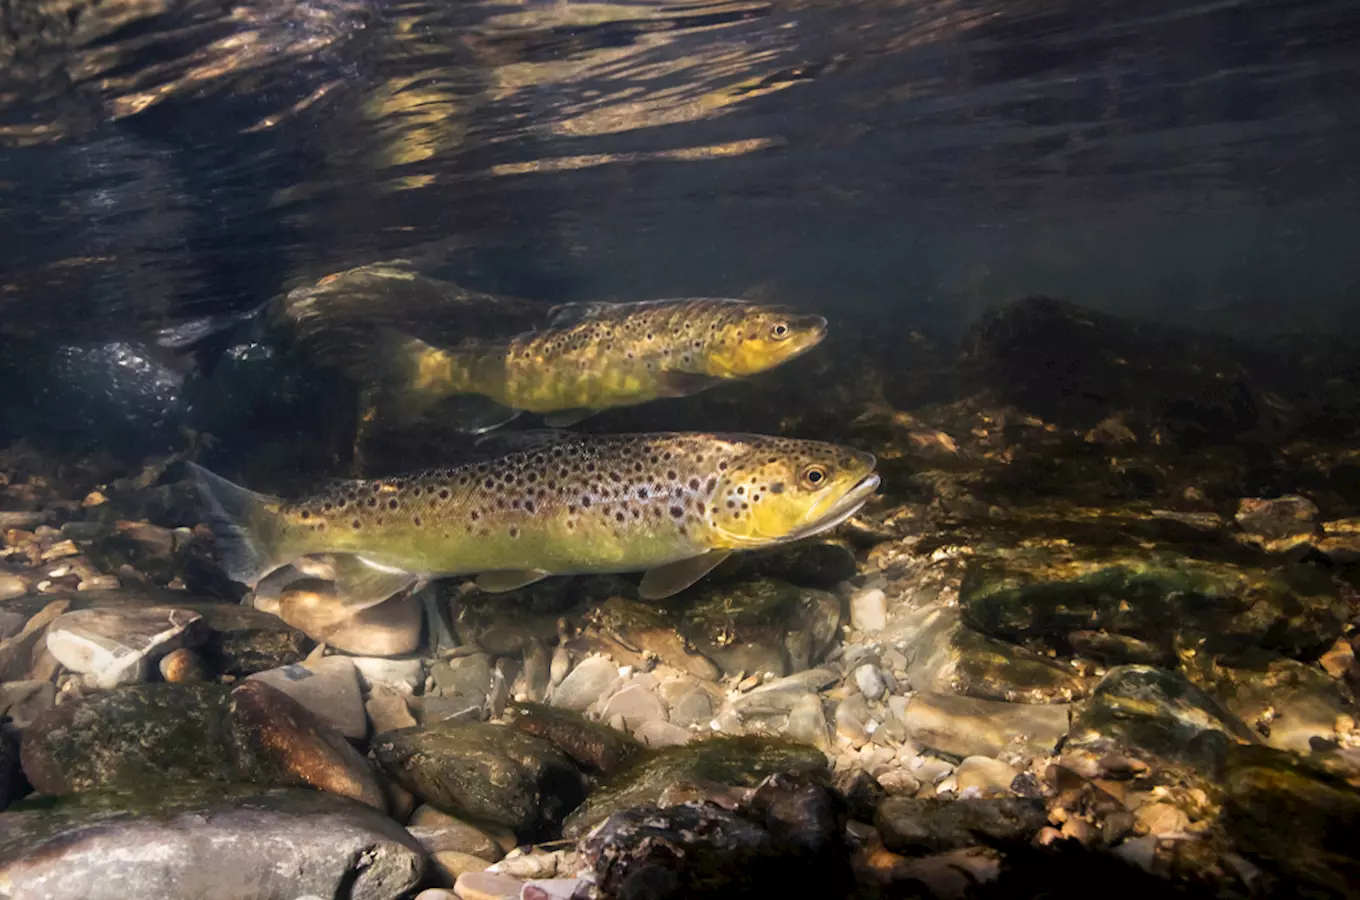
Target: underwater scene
660, 449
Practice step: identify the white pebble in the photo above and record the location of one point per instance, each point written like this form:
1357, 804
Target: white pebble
869, 610
870, 683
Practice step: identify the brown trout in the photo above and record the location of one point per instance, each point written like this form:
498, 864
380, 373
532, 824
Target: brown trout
584, 358
672, 505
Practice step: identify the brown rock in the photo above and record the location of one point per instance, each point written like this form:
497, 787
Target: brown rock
17, 654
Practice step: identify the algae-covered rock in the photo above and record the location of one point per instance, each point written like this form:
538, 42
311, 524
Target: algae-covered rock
1294, 820
917, 826
637, 634
153, 734
816, 563
762, 626
1155, 717
206, 840
725, 761
484, 771
592, 746
945, 655
1158, 596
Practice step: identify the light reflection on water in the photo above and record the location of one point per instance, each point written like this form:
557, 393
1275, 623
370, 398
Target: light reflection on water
921, 158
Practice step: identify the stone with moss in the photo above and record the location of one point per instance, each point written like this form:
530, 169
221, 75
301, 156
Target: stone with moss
761, 626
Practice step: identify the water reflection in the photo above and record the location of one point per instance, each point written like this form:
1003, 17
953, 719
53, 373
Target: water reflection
170, 158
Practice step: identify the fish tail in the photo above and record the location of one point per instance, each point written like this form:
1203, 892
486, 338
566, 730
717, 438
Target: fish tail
249, 538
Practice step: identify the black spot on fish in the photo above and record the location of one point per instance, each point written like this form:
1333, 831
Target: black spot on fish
514, 532
489, 483
416, 521
741, 490
392, 504
777, 487
304, 515
444, 494
694, 484
372, 502
355, 523
677, 512
618, 517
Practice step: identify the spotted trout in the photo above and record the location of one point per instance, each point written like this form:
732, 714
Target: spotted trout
582, 359
671, 505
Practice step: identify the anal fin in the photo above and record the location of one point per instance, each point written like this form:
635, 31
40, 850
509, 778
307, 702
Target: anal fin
508, 580
672, 578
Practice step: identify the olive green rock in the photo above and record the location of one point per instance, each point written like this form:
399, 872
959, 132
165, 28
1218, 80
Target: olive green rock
591, 745
149, 735
1155, 595
484, 771
742, 761
761, 626
1156, 717
1293, 819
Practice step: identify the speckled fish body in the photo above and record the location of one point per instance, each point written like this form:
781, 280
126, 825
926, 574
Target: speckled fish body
597, 356
583, 504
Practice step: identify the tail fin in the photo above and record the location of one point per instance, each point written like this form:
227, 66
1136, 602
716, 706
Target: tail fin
246, 545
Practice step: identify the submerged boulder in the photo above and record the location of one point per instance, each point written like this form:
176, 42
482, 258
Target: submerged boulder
717, 762
148, 736
198, 839
1150, 720
761, 626
1047, 593
945, 655
484, 771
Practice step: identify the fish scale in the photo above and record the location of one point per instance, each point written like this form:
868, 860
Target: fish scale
584, 504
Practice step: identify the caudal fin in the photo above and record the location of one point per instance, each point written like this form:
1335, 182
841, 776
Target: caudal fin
244, 528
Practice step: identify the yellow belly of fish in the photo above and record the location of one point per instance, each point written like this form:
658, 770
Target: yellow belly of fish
551, 389
447, 548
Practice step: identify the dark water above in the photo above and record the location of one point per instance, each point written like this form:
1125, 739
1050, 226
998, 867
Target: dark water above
915, 162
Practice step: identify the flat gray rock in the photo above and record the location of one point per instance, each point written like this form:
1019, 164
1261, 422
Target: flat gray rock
206, 842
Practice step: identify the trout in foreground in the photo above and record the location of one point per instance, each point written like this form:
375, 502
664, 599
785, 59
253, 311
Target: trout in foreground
671, 505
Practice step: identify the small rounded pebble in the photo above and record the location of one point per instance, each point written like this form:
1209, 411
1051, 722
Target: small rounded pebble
486, 886
183, 666
870, 682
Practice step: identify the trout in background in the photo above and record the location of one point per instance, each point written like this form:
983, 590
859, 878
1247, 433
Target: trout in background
672, 505
583, 358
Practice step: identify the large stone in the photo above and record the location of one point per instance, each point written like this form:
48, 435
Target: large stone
199, 840
1159, 596
639, 634
594, 747
636, 706
869, 610
919, 826
789, 835
439, 832
1279, 524
1153, 717
1293, 820
484, 771
118, 646
328, 687
946, 656
966, 726
762, 626
723, 761
149, 735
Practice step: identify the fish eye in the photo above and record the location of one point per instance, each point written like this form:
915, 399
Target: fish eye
780, 330
814, 476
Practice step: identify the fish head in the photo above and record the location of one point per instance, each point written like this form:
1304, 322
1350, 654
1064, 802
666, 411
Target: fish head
776, 490
759, 338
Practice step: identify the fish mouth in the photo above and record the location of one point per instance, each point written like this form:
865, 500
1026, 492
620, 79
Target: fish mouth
849, 504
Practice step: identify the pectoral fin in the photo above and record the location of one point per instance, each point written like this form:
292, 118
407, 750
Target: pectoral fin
565, 418
508, 580
672, 578
685, 384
